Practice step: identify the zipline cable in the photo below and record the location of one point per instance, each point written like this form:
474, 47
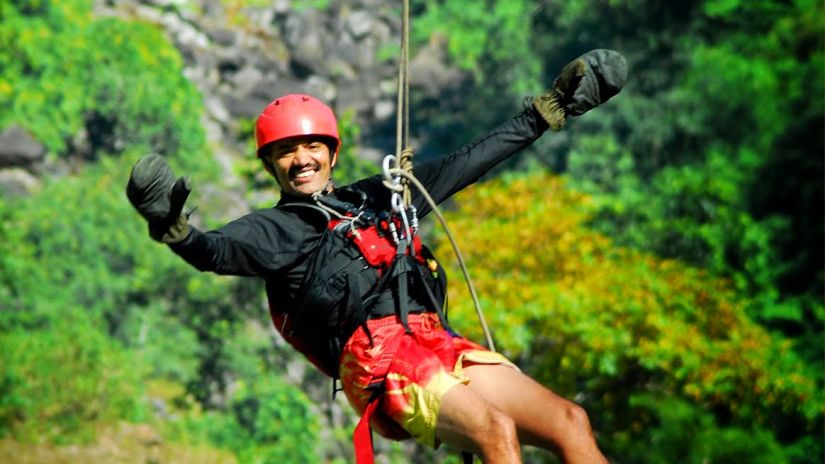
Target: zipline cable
398, 170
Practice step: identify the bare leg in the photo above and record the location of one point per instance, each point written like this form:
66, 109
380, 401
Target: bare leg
542, 418
468, 422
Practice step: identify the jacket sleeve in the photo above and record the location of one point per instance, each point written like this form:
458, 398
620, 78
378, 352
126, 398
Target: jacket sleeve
257, 244
443, 177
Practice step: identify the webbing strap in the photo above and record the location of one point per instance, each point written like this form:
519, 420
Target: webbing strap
362, 437
401, 268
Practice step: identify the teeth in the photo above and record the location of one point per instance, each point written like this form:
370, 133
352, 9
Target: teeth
301, 175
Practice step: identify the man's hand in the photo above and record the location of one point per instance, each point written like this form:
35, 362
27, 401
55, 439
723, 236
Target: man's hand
159, 198
582, 84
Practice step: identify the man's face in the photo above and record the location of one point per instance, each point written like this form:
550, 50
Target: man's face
301, 165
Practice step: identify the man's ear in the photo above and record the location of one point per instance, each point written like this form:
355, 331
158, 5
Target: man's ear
334, 159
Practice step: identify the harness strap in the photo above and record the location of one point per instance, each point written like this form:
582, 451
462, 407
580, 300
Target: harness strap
433, 300
401, 270
362, 436
356, 303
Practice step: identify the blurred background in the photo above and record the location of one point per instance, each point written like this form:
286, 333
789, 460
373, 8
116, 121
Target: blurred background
659, 261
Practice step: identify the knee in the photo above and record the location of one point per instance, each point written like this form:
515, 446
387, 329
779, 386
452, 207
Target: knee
577, 421
500, 430
501, 424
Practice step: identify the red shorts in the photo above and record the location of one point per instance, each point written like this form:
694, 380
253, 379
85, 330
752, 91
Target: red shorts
420, 369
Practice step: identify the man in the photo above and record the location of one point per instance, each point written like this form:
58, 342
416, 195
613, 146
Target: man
352, 288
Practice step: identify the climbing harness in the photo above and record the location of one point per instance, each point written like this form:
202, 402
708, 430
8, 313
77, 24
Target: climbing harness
360, 269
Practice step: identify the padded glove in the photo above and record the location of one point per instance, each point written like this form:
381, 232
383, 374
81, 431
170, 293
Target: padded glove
159, 198
583, 84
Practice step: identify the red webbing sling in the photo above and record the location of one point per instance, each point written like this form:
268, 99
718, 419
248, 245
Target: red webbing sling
362, 436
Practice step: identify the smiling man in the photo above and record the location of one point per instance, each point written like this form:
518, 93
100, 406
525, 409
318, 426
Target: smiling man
354, 290
298, 143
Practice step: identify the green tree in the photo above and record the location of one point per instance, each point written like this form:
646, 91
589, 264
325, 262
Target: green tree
624, 331
67, 76
63, 376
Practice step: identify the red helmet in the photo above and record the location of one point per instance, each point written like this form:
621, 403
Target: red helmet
293, 115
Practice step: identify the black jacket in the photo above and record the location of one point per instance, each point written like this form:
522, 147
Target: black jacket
276, 244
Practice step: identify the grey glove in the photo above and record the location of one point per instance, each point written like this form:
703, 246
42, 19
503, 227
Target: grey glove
583, 84
159, 198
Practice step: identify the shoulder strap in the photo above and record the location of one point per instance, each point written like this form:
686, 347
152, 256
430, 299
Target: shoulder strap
306, 206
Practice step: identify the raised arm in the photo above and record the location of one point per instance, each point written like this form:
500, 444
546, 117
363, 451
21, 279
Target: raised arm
581, 85
445, 176
258, 244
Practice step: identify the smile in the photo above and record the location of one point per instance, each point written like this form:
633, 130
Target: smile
304, 174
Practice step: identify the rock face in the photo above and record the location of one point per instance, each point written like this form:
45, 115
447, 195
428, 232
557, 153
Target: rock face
242, 58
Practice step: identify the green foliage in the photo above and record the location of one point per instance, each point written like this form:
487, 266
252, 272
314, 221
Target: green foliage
606, 323
279, 420
64, 73
315, 4
350, 167
682, 432
79, 244
691, 212
718, 125
266, 421
62, 377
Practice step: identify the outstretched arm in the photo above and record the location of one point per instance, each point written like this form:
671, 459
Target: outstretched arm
445, 176
257, 244
582, 84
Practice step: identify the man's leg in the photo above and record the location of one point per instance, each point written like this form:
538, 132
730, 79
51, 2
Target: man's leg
542, 418
467, 422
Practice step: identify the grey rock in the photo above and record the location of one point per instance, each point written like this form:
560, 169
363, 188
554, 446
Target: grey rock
212, 9
273, 88
216, 109
17, 182
281, 6
304, 34
245, 107
260, 18
359, 23
429, 71
384, 110
359, 55
223, 37
19, 148
246, 80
